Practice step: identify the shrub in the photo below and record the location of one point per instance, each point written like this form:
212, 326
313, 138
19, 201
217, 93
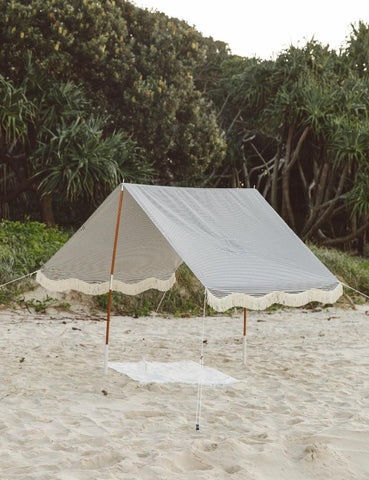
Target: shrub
24, 248
348, 268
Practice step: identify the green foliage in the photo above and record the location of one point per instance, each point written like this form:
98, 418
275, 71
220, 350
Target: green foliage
25, 247
76, 160
350, 269
134, 66
356, 53
39, 306
297, 128
15, 109
53, 145
358, 199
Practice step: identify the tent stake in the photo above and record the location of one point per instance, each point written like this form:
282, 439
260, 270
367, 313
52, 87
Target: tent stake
244, 334
106, 352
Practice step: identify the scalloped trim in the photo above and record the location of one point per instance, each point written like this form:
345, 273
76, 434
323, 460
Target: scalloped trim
99, 288
218, 304
283, 298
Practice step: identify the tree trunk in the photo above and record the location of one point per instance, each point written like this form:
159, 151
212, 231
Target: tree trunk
285, 173
46, 208
315, 200
361, 243
324, 217
347, 238
291, 159
235, 178
275, 178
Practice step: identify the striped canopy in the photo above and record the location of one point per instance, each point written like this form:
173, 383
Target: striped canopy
232, 240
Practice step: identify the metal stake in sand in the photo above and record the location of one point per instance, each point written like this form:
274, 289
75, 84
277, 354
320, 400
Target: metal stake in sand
244, 335
199, 386
106, 352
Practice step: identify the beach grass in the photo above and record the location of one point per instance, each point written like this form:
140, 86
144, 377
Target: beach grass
24, 248
349, 268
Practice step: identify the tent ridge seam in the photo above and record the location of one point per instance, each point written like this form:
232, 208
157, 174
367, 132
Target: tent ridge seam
100, 288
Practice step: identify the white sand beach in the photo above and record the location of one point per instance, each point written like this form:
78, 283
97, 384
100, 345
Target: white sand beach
300, 410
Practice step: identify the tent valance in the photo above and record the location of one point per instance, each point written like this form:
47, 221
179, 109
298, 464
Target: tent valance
232, 240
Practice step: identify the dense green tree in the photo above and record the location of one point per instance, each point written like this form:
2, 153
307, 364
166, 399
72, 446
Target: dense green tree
356, 53
135, 65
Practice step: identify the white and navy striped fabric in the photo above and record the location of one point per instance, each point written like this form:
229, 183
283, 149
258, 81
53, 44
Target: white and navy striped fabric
231, 239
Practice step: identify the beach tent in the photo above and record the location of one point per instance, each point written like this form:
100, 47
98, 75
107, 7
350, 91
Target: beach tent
233, 241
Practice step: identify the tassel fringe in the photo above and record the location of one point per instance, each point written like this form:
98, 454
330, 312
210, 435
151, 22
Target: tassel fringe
218, 304
283, 298
100, 288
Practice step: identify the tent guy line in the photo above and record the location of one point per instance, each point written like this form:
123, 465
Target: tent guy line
354, 290
19, 278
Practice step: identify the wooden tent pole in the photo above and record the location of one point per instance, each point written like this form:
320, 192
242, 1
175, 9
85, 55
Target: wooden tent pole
106, 353
244, 334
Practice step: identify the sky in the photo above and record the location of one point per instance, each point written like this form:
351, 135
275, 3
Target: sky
263, 28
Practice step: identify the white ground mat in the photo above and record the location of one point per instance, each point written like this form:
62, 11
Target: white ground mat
180, 372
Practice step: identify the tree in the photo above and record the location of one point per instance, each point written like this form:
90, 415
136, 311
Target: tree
296, 128
52, 145
134, 65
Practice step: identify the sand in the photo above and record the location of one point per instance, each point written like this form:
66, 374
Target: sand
300, 410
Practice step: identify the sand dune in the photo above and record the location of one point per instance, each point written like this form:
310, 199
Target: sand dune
300, 410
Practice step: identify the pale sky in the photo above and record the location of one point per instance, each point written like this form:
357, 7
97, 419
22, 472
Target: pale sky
264, 27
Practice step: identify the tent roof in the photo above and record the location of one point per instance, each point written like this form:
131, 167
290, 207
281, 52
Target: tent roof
231, 239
